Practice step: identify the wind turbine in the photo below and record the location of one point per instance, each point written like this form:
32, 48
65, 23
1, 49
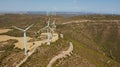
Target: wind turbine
39, 32
48, 32
53, 27
24, 30
48, 29
54, 11
113, 12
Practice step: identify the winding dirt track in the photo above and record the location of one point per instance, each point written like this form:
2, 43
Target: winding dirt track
79, 21
61, 55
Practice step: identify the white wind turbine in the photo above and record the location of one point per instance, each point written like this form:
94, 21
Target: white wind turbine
53, 28
48, 29
24, 30
48, 32
39, 31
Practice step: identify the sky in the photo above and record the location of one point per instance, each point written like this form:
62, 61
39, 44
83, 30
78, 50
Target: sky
95, 6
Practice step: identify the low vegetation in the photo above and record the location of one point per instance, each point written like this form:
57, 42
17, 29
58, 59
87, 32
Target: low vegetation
96, 42
7, 48
45, 53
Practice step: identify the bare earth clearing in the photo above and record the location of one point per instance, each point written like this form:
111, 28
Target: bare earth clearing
4, 30
19, 44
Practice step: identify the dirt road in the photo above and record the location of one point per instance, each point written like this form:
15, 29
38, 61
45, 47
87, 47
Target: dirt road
61, 55
79, 21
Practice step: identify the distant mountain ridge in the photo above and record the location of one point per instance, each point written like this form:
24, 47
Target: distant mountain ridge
44, 12
64, 14
60, 13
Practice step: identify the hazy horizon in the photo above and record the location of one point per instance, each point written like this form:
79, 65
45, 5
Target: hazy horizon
94, 6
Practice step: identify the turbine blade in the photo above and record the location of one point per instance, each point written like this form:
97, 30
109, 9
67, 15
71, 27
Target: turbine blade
17, 28
48, 22
29, 27
42, 29
50, 29
53, 24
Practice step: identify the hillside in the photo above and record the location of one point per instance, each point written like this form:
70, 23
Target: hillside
95, 39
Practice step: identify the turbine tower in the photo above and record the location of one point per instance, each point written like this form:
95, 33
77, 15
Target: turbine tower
53, 28
48, 31
24, 30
